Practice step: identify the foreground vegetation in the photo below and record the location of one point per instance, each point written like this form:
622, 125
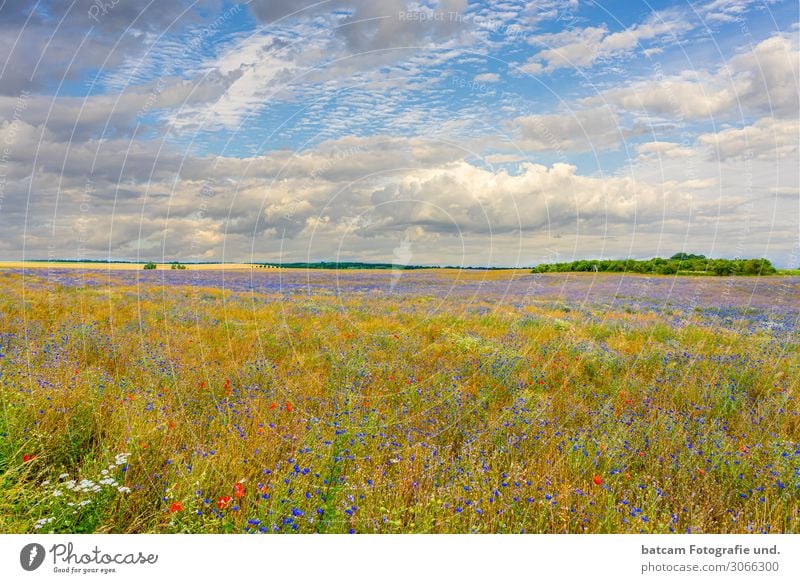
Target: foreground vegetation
140, 406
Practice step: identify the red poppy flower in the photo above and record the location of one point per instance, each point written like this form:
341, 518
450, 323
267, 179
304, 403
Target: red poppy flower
223, 502
272, 406
238, 490
28, 458
288, 406
176, 507
702, 472
597, 480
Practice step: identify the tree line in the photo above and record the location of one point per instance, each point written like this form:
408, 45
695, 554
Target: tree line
680, 263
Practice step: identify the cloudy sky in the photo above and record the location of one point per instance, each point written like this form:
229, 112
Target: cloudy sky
450, 132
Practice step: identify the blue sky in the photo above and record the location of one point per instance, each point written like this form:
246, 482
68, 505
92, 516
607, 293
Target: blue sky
503, 133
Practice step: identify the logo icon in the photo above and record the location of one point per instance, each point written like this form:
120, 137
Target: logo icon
31, 556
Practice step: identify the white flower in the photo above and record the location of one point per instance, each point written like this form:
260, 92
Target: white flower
86, 485
57, 493
45, 483
62, 476
41, 522
123, 489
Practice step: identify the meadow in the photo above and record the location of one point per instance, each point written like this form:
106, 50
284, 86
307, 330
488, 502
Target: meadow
435, 401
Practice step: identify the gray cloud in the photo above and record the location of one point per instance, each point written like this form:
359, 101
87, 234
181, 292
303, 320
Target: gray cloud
45, 41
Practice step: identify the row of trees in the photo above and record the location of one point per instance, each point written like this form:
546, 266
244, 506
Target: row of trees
678, 263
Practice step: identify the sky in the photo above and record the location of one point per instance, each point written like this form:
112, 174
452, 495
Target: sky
453, 132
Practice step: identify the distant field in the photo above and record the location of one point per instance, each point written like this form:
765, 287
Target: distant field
114, 266
248, 400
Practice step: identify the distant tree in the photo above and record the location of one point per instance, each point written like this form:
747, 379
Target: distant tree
177, 265
685, 256
721, 267
582, 266
757, 267
149, 265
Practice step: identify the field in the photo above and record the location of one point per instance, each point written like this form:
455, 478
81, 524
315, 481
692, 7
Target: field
435, 401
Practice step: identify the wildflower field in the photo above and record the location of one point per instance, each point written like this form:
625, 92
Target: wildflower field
436, 401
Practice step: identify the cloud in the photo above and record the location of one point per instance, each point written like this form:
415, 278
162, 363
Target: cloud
366, 25
112, 115
532, 67
363, 195
581, 130
731, 10
661, 150
761, 80
768, 138
582, 47
361, 188
47, 41
487, 78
